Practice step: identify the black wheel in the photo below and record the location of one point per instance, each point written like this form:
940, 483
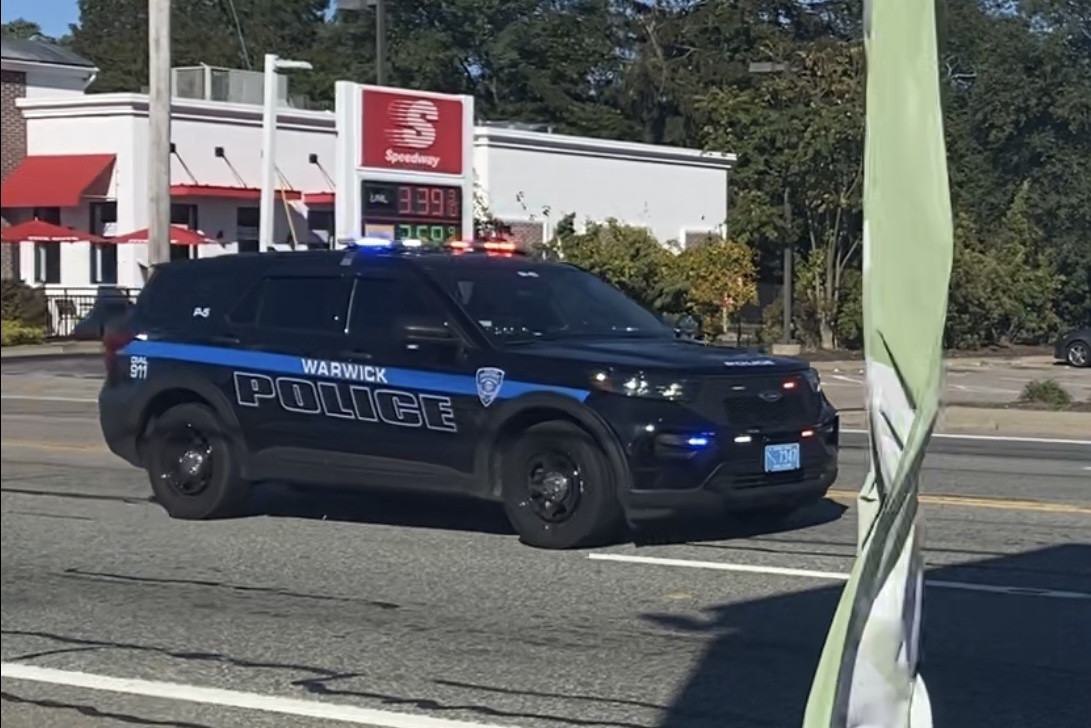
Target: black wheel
193, 466
1078, 354
559, 489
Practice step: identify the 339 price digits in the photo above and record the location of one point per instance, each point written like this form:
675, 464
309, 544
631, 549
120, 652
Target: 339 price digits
441, 203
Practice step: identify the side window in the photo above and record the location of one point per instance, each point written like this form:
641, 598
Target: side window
378, 303
311, 304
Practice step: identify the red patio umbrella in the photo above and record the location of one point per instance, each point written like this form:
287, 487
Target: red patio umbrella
179, 235
39, 231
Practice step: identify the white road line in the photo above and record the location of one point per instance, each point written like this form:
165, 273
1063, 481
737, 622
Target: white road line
843, 378
993, 438
33, 398
832, 575
230, 698
720, 566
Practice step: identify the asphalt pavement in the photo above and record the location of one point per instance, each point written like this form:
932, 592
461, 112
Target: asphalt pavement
322, 609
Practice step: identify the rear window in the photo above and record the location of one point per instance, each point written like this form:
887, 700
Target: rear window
176, 295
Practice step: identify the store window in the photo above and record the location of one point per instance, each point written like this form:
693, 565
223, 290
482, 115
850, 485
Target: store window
104, 255
47, 262
247, 224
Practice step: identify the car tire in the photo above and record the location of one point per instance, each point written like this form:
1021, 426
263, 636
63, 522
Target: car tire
1078, 353
193, 465
559, 489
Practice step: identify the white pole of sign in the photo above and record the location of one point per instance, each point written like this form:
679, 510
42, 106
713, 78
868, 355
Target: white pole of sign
270, 102
268, 153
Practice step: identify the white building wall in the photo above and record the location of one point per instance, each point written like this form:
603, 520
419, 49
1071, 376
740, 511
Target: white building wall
523, 176
533, 176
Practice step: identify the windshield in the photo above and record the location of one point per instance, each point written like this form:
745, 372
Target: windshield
517, 305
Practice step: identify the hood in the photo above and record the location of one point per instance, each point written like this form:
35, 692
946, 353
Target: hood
674, 355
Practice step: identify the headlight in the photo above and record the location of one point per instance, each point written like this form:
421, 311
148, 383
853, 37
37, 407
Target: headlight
813, 378
640, 384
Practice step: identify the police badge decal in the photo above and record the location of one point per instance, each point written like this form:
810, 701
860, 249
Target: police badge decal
489, 381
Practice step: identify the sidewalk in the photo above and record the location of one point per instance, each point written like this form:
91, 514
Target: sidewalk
62, 348
954, 364
957, 420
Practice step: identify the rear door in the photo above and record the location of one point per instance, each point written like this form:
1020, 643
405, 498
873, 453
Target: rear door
285, 325
416, 415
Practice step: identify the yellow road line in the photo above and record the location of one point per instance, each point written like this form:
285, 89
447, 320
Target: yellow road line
1003, 504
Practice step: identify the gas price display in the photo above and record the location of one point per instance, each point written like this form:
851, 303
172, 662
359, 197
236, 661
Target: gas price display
413, 211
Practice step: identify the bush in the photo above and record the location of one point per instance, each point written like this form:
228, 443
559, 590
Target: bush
23, 304
1046, 392
14, 333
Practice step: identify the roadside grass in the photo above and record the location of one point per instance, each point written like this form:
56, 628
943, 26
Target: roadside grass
1048, 394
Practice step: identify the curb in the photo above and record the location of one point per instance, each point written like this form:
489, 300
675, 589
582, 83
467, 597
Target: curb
997, 422
50, 351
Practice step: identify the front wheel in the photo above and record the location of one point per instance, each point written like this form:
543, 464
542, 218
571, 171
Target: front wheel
559, 489
1078, 354
193, 466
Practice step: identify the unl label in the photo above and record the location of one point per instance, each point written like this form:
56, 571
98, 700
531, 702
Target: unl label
341, 400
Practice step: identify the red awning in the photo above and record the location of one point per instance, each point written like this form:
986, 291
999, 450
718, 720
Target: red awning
179, 235
319, 198
60, 180
38, 231
219, 192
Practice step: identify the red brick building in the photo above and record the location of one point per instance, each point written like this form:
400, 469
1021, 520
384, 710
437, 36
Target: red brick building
31, 68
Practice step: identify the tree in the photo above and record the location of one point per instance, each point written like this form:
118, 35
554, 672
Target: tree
719, 277
24, 30
629, 258
800, 134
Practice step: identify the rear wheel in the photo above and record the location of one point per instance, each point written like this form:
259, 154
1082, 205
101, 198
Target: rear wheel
193, 466
1078, 354
559, 489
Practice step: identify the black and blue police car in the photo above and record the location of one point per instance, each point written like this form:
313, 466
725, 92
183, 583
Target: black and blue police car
473, 371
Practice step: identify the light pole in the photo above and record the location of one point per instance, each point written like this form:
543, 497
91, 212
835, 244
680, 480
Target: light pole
786, 335
270, 102
380, 40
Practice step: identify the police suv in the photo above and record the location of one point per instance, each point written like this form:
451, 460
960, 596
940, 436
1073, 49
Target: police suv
531, 383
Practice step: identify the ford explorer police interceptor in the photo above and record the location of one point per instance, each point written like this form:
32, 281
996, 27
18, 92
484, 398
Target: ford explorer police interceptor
384, 365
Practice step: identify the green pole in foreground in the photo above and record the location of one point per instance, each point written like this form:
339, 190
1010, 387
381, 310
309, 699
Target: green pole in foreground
867, 675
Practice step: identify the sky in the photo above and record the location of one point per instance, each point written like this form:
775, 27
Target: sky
53, 16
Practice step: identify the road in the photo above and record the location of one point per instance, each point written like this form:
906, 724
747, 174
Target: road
384, 610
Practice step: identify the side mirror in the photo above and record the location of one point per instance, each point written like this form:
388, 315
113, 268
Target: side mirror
426, 331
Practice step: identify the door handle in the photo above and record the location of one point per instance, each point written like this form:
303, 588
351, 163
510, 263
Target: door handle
358, 354
225, 339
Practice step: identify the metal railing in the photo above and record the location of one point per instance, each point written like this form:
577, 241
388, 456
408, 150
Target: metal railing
83, 312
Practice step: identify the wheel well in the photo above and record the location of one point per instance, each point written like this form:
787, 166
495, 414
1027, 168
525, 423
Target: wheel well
513, 428
164, 401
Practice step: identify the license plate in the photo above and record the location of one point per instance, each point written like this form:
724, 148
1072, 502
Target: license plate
780, 458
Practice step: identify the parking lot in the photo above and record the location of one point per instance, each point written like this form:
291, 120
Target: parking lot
385, 610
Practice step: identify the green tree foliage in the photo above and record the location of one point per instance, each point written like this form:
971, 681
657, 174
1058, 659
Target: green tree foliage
1016, 78
628, 257
24, 29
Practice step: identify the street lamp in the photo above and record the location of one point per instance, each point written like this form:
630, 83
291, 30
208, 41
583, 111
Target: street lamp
786, 335
380, 40
268, 142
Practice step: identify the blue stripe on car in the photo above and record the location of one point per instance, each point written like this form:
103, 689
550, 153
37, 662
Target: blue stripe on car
263, 361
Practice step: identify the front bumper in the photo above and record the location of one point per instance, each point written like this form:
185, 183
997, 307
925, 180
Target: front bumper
731, 477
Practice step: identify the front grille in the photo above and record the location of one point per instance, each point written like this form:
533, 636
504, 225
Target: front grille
740, 402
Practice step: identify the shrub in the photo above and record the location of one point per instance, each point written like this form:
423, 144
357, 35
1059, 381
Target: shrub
23, 304
1046, 392
14, 333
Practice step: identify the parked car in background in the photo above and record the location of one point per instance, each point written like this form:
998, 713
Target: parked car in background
111, 304
1074, 347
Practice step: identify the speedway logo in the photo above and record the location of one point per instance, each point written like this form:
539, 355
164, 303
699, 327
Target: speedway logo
413, 159
409, 131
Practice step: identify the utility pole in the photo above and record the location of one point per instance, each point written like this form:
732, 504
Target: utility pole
159, 98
